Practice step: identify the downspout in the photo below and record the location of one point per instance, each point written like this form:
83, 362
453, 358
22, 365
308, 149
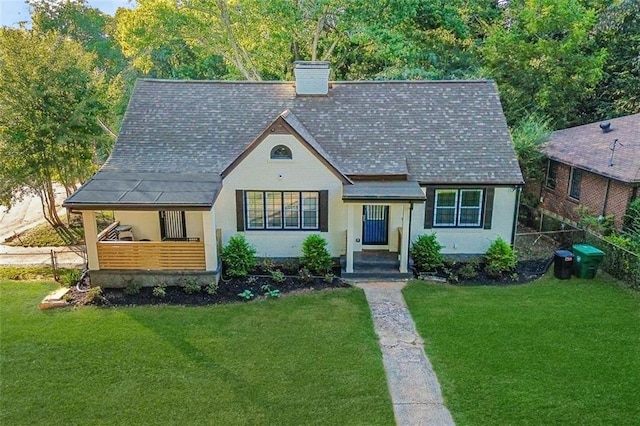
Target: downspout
606, 199
516, 213
409, 236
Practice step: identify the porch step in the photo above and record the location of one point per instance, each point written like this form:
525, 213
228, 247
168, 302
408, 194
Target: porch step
374, 274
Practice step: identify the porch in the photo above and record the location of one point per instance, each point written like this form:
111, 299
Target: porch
374, 264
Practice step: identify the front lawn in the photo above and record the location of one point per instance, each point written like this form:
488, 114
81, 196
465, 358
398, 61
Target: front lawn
549, 352
303, 359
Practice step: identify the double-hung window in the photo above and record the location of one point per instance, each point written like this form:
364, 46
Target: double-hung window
275, 210
458, 207
574, 183
552, 175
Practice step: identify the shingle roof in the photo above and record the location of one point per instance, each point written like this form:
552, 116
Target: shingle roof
589, 148
383, 190
437, 131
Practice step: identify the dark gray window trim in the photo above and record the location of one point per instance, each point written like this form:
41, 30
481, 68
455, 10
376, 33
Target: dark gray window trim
281, 152
575, 182
551, 177
486, 212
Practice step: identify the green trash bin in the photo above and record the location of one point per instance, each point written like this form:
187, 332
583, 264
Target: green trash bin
586, 260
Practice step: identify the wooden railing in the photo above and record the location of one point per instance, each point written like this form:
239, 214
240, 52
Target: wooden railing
109, 233
151, 255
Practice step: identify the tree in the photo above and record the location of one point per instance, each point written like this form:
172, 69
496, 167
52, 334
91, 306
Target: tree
544, 59
618, 29
50, 98
528, 137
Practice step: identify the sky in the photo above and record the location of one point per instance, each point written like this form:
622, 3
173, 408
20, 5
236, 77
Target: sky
14, 11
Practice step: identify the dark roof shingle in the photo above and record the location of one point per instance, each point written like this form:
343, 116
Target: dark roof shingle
437, 131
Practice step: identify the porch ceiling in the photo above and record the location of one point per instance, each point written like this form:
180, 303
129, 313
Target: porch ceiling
392, 191
147, 191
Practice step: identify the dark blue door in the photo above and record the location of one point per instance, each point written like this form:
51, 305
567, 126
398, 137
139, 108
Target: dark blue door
375, 225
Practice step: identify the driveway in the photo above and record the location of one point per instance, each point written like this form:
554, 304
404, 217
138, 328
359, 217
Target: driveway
25, 214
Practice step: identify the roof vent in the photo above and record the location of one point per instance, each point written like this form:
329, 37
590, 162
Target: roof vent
606, 127
312, 77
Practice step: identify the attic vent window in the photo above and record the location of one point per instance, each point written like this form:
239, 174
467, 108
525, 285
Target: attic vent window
281, 152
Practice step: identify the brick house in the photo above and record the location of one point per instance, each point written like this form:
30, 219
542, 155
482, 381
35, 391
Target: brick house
596, 166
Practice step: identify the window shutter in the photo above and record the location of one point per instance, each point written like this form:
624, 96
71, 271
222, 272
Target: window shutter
488, 207
324, 211
240, 210
428, 208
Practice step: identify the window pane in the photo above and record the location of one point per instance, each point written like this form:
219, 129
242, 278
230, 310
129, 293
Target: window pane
445, 208
470, 207
274, 209
309, 210
576, 179
255, 210
291, 209
552, 173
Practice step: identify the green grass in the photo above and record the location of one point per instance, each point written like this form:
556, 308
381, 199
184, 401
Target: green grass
304, 359
550, 352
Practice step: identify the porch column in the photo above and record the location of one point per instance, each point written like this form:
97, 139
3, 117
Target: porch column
406, 238
91, 238
350, 241
210, 246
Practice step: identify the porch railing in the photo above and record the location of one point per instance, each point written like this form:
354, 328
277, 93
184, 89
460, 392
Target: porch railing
151, 255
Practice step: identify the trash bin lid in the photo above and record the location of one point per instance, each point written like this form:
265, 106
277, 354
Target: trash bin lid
587, 250
564, 253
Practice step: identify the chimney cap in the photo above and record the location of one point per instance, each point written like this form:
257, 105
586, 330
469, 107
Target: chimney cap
605, 126
311, 64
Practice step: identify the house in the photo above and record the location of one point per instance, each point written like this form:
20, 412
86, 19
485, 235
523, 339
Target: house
594, 167
368, 165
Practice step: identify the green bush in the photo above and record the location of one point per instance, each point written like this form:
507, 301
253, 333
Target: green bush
468, 271
277, 276
159, 292
70, 277
132, 287
501, 258
425, 252
212, 287
315, 256
191, 285
238, 256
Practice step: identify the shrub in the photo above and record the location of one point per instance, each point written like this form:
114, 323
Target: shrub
212, 287
238, 256
315, 256
501, 258
132, 287
468, 271
328, 278
305, 275
425, 252
191, 285
277, 276
159, 292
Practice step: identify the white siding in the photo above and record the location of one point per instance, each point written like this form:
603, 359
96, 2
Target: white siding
304, 172
476, 240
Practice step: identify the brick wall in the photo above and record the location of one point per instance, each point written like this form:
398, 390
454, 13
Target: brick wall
592, 196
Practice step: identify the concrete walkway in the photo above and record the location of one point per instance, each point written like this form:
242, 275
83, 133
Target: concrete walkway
415, 391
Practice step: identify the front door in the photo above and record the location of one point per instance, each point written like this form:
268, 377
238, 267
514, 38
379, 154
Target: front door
375, 225
172, 225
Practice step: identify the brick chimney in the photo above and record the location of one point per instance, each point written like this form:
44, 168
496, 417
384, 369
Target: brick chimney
312, 78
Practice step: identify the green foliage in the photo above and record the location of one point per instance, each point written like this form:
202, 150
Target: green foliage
601, 225
159, 292
425, 252
238, 256
315, 255
191, 285
70, 277
501, 258
50, 100
468, 270
270, 292
246, 294
212, 287
544, 60
305, 275
132, 287
277, 276
528, 137
328, 278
